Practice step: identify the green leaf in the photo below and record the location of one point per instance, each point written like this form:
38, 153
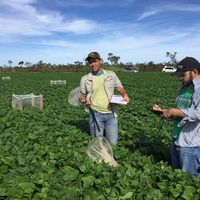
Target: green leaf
82, 168
188, 192
88, 181
52, 155
2, 190
70, 173
130, 171
176, 191
27, 187
3, 169
128, 195
8, 161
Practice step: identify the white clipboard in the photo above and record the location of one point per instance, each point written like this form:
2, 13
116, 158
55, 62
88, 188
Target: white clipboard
118, 99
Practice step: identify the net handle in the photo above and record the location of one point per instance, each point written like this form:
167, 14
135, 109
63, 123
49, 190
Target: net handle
94, 118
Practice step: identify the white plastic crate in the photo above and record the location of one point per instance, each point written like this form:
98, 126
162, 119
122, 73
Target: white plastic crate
4, 78
58, 82
28, 100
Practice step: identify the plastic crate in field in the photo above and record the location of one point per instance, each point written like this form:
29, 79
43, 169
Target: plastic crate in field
4, 78
27, 101
58, 82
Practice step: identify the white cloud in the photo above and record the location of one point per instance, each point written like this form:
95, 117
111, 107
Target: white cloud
22, 18
153, 10
55, 38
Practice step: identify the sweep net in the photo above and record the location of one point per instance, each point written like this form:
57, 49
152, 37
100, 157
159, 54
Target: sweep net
73, 97
99, 150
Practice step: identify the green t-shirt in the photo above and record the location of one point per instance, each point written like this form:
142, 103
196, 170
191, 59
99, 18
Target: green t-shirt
184, 100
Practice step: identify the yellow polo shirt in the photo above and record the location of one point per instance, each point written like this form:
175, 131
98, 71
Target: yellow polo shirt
99, 98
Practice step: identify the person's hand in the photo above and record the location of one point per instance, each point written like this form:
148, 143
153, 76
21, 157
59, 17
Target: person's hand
88, 102
126, 98
157, 108
85, 101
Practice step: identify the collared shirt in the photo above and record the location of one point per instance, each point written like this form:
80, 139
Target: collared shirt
111, 82
190, 133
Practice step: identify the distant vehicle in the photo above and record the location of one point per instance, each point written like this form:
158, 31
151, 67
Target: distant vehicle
130, 70
168, 69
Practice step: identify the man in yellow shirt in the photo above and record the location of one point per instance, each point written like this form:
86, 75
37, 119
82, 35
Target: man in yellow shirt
96, 91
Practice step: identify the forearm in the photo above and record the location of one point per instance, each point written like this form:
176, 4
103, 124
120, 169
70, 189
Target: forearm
122, 91
167, 113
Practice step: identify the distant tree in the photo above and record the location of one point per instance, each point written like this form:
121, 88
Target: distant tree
21, 63
113, 59
172, 56
10, 63
129, 63
40, 62
150, 63
105, 63
110, 55
78, 63
28, 64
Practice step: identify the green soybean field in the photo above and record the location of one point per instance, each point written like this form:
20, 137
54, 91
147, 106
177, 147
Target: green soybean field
43, 153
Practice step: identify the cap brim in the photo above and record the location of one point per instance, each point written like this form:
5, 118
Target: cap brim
91, 58
177, 73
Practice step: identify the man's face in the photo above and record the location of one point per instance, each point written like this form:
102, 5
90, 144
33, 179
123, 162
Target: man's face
186, 77
95, 65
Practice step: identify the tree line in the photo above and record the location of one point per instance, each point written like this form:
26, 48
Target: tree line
77, 66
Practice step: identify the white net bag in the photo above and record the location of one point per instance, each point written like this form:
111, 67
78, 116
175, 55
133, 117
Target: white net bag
73, 97
99, 150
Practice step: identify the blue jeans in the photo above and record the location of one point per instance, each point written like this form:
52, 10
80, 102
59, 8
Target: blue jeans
108, 126
186, 158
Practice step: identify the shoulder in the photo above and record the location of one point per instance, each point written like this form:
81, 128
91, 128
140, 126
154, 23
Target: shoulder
86, 77
196, 82
109, 73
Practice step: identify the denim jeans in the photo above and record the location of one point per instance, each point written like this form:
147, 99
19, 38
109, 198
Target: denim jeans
185, 158
189, 159
108, 126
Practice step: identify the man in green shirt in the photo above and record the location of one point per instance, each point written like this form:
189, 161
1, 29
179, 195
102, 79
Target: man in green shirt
185, 147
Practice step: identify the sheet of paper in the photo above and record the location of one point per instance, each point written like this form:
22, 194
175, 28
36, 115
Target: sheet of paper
118, 99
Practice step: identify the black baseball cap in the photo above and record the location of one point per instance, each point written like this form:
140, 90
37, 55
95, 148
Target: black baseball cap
93, 55
187, 64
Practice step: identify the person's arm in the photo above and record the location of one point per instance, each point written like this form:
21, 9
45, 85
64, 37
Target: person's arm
120, 88
124, 94
170, 112
173, 112
83, 93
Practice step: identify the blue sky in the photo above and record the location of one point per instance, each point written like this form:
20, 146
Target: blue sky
64, 31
